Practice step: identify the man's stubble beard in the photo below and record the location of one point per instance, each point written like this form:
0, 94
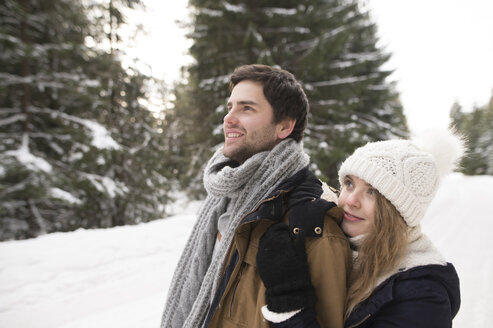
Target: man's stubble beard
246, 151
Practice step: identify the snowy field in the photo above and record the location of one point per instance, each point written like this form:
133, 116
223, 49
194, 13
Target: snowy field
119, 277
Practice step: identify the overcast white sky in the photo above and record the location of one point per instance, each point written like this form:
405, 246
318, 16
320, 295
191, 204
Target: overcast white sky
442, 51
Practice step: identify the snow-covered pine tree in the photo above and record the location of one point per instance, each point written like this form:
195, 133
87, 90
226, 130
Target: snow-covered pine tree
329, 45
477, 127
141, 164
63, 165
40, 43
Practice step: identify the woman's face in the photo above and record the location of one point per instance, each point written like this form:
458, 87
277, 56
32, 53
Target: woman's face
358, 200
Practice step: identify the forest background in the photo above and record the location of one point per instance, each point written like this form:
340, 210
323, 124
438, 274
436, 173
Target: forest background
89, 139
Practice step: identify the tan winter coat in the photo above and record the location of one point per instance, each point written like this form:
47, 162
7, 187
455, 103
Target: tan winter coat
329, 259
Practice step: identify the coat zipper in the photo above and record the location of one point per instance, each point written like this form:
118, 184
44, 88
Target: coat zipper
234, 291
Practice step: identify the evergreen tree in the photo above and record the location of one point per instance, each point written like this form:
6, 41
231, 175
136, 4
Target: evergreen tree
330, 46
141, 165
40, 43
477, 127
77, 148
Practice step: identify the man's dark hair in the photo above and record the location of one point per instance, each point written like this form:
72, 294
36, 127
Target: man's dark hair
281, 89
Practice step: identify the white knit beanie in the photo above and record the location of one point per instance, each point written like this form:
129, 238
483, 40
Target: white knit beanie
406, 172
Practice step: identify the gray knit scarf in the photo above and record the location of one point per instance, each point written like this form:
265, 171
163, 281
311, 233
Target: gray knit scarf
197, 273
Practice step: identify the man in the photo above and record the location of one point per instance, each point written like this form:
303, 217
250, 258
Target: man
258, 178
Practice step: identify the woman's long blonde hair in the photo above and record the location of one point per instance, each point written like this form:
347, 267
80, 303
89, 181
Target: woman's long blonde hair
380, 251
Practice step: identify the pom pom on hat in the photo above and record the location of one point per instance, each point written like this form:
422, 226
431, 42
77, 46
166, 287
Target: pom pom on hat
407, 172
446, 147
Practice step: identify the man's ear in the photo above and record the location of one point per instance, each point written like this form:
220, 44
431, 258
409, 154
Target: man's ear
285, 127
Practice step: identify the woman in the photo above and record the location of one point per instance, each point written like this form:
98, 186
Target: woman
399, 279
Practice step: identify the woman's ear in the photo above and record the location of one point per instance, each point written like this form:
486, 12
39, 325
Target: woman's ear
285, 127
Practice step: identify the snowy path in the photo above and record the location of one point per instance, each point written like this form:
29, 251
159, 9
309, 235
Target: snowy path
118, 277
460, 223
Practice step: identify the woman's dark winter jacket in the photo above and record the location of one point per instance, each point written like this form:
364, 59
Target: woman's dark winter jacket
426, 296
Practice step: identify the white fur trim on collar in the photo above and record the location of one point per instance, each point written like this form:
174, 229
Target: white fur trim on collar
419, 251
328, 193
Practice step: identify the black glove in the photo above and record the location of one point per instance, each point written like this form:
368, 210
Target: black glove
283, 268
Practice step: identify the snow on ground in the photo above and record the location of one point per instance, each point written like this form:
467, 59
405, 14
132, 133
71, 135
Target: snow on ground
114, 277
119, 277
460, 223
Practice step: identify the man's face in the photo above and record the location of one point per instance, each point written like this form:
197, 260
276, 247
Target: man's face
248, 126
